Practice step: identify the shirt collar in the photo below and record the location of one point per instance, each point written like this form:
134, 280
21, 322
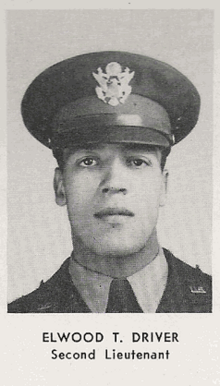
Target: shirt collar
148, 284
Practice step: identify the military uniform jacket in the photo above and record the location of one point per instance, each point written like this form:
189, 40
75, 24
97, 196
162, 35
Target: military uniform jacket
187, 290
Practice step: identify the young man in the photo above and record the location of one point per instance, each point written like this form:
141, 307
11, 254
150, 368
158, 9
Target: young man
111, 119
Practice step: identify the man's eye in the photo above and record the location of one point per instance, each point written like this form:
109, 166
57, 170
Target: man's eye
138, 162
88, 161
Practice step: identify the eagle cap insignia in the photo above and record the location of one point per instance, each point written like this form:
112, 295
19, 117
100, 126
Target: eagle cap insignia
113, 84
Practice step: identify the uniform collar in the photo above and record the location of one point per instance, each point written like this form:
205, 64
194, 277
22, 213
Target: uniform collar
148, 284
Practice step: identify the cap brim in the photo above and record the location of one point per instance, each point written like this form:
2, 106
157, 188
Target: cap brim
111, 134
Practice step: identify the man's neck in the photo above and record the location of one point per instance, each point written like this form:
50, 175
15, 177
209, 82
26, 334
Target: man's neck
117, 266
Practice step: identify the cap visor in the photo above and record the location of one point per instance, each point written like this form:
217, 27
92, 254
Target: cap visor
111, 134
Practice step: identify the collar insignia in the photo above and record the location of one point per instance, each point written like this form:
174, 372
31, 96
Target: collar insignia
44, 307
197, 290
113, 84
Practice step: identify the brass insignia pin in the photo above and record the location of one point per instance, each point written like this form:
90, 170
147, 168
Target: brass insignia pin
113, 85
197, 290
45, 307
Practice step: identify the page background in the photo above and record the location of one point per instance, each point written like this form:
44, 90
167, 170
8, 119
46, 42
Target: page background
26, 360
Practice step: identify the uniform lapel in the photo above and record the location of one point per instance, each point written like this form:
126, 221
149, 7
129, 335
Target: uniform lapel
188, 289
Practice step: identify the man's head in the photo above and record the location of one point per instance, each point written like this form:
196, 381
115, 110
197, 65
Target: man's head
111, 119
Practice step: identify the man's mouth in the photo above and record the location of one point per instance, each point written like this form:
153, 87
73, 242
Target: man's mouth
103, 213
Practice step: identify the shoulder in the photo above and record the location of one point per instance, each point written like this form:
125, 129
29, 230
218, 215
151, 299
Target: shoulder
47, 297
186, 272
188, 289
178, 265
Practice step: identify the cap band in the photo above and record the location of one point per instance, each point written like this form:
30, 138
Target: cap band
94, 120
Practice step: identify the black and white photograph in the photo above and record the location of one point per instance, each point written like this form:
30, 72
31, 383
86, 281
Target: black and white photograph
111, 119
110, 186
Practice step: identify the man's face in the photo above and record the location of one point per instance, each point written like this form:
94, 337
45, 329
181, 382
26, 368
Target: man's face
113, 193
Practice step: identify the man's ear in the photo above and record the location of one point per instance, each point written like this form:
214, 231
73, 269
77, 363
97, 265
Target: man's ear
164, 187
60, 196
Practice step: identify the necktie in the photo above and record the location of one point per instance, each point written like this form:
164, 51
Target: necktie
121, 297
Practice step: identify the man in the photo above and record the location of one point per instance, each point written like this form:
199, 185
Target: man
111, 119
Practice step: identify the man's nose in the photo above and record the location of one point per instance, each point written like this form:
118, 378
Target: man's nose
114, 178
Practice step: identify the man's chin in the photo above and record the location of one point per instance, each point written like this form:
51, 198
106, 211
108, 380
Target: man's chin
118, 251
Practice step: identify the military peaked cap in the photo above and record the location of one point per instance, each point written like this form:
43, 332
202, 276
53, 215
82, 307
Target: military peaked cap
110, 97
